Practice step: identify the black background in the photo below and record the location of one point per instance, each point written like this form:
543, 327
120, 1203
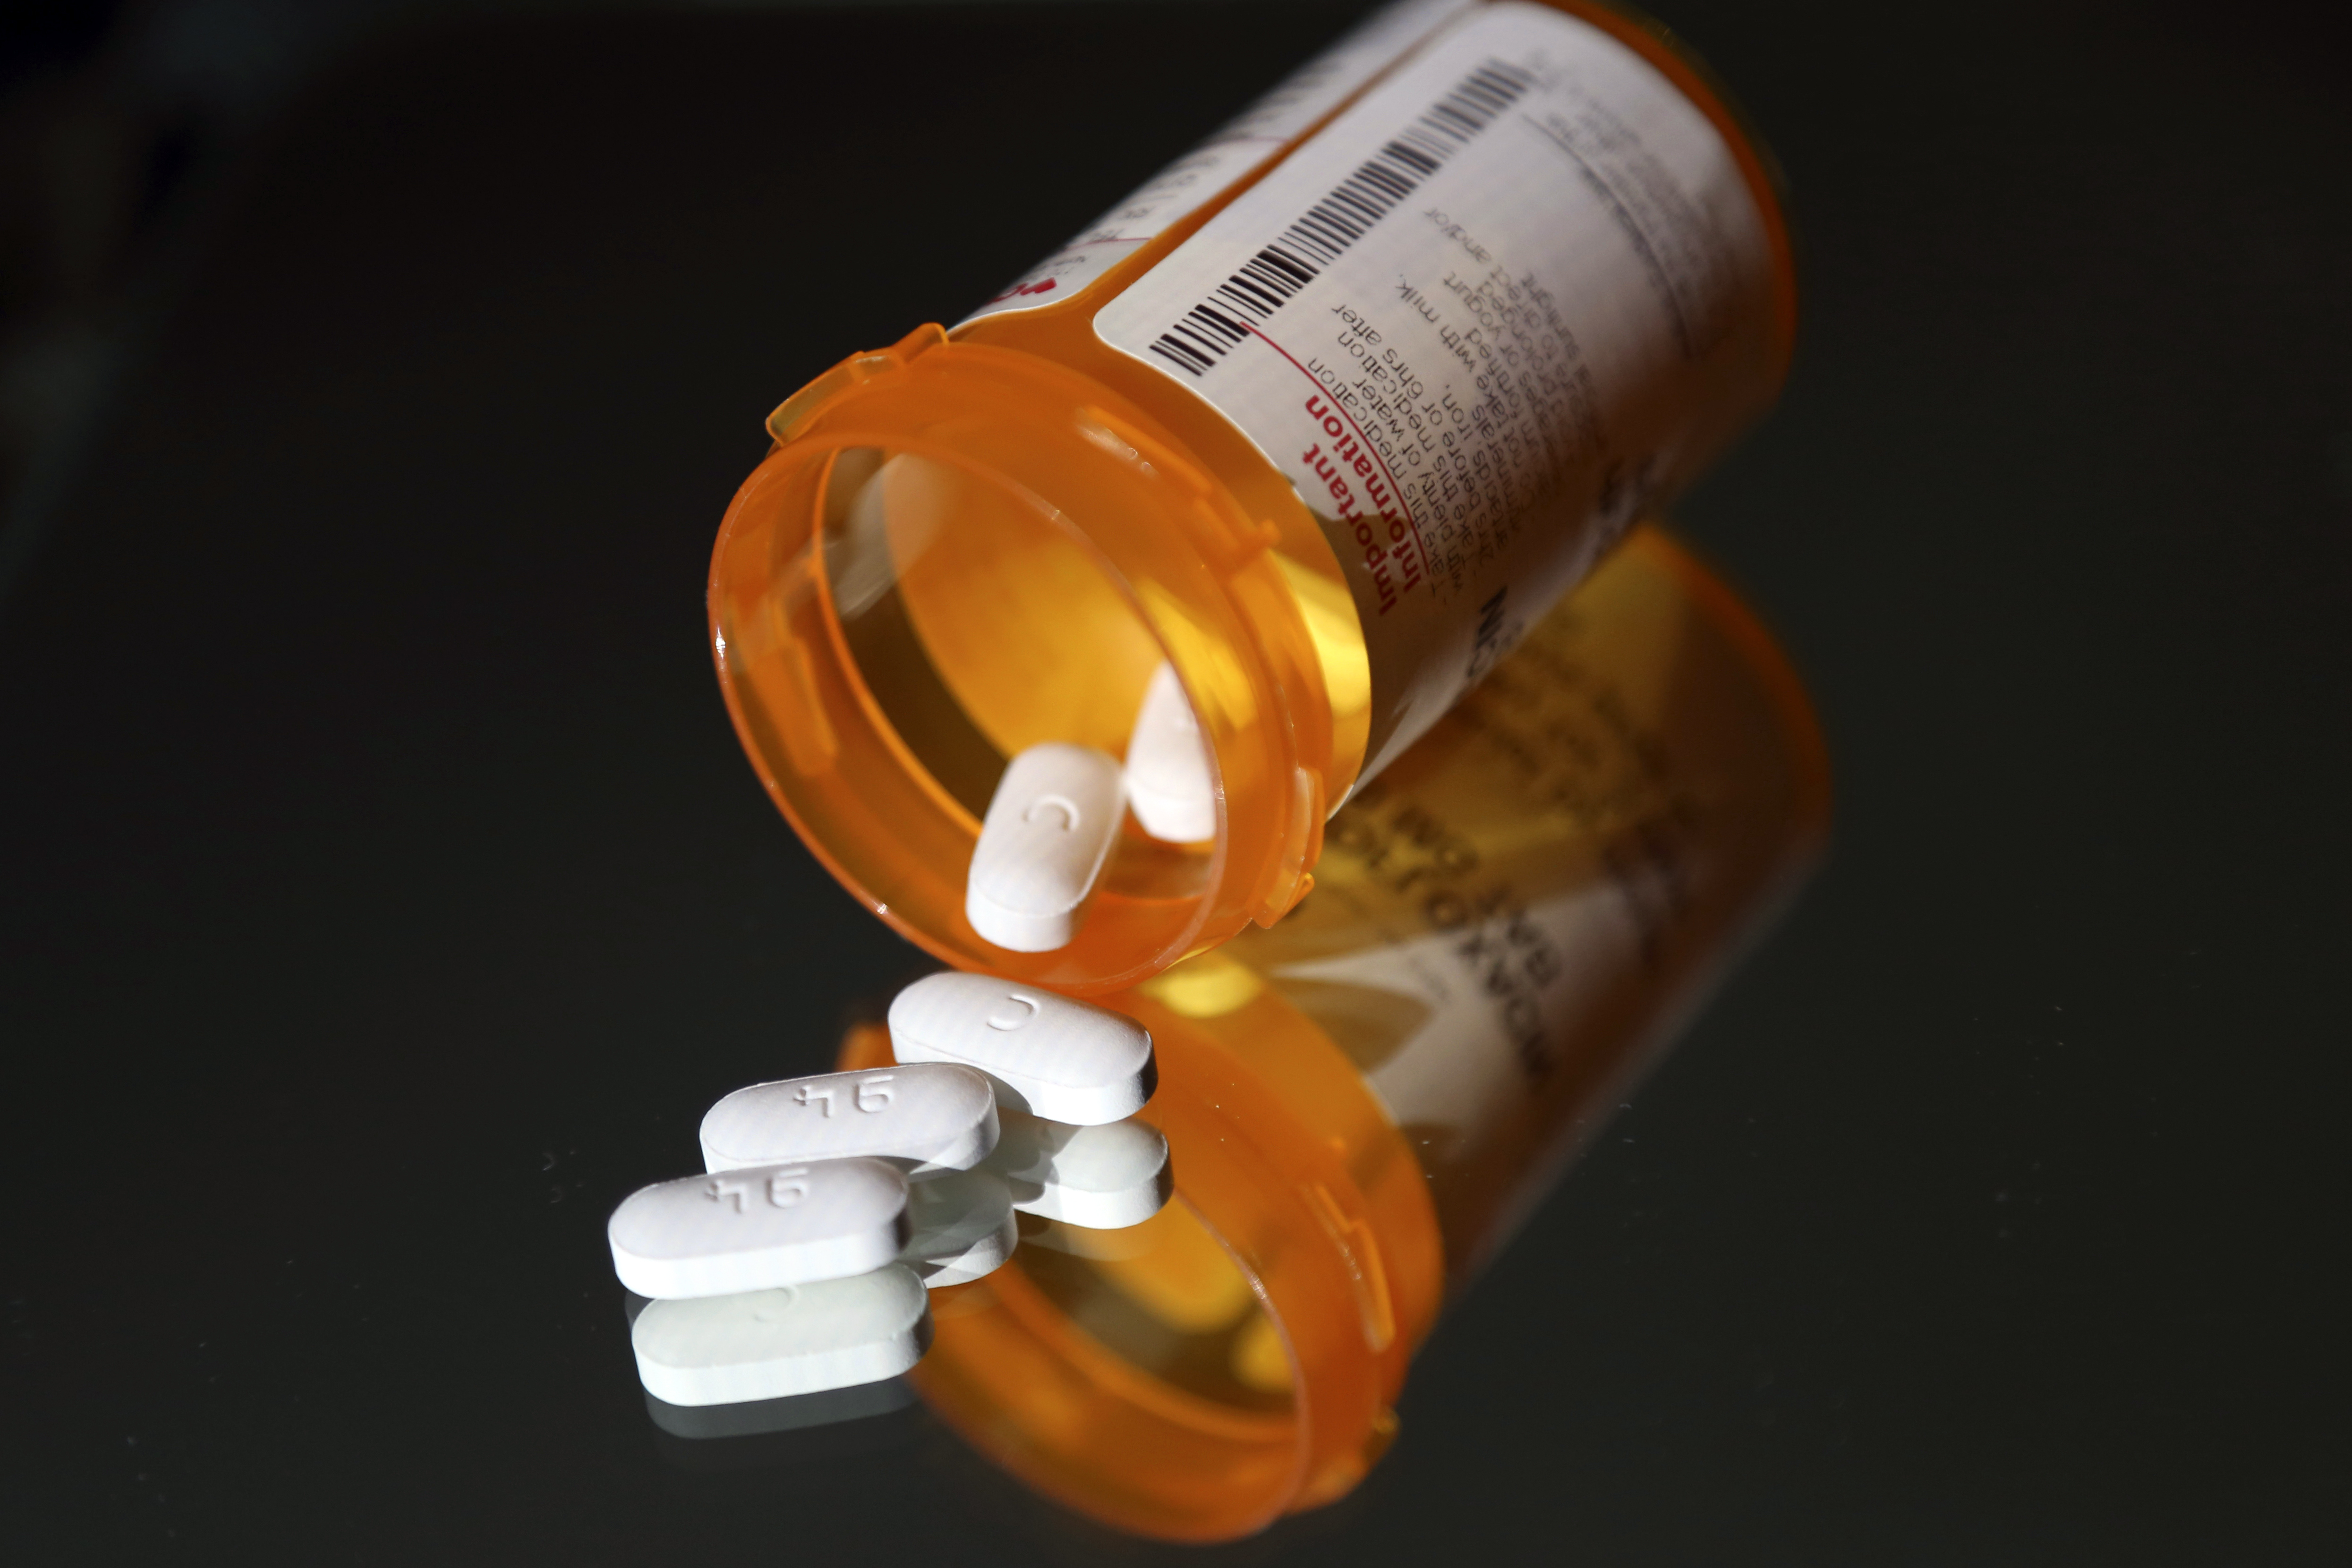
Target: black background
384, 894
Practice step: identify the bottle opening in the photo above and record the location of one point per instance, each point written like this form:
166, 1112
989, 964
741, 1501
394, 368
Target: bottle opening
979, 628
953, 564
938, 623
979, 625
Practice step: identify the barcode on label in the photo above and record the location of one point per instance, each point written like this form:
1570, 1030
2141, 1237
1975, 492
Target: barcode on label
1201, 337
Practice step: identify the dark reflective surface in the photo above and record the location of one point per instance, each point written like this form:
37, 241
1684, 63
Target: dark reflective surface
385, 898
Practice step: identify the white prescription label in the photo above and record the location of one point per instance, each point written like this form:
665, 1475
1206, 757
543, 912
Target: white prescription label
1463, 319
1175, 192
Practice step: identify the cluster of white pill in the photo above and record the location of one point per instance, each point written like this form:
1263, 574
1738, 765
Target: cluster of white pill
1057, 811
803, 1258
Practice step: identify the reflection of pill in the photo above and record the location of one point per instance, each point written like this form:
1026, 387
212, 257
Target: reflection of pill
924, 1118
765, 1345
759, 1227
1128, 1241
962, 1227
1047, 1055
792, 1413
1100, 1177
1169, 783
1049, 825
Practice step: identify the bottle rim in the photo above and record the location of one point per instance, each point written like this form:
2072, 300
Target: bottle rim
1167, 538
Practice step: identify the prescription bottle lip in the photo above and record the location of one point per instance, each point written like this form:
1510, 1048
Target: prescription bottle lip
1195, 570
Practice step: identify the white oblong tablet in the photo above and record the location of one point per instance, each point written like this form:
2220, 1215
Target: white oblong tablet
1046, 1054
962, 1228
1099, 1177
1169, 785
798, 1339
924, 1118
759, 1227
1050, 822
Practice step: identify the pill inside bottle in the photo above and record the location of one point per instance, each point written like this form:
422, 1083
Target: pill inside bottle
1050, 824
1171, 785
1233, 496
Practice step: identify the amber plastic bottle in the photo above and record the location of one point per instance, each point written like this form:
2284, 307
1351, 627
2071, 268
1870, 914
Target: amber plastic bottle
1326, 416
1361, 1102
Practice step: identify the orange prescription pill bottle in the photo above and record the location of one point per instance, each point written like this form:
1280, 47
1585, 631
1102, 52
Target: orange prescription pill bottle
1324, 416
1361, 1102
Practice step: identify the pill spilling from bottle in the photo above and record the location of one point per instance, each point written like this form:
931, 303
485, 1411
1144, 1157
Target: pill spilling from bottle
927, 1119
1049, 827
1041, 1052
1055, 817
783, 1271
757, 1226
802, 1261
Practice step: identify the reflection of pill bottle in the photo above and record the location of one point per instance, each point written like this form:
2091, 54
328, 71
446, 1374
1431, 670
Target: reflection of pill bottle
1327, 415
1362, 1101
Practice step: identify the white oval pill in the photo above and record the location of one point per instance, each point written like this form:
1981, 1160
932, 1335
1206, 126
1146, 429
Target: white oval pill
1099, 1177
962, 1228
800, 1339
759, 1227
924, 1118
1050, 822
1169, 785
1046, 1054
